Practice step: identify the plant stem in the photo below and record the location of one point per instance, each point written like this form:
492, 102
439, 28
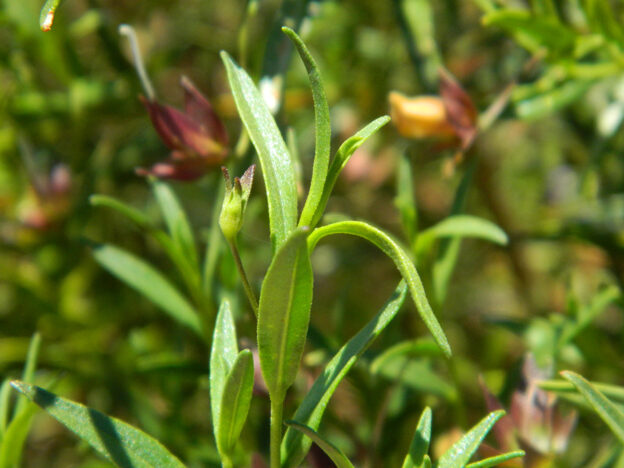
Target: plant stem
241, 271
277, 410
226, 462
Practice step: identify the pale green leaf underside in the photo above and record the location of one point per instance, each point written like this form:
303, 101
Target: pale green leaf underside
276, 163
141, 276
461, 451
222, 357
401, 260
608, 412
311, 409
124, 445
235, 402
420, 442
331, 450
497, 460
284, 313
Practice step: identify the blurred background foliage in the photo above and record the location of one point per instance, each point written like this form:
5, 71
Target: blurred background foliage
549, 171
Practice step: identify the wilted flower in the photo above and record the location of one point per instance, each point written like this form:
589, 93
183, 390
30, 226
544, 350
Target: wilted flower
196, 136
452, 115
534, 422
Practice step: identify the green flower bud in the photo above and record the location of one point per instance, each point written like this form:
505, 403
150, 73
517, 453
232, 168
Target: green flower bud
235, 201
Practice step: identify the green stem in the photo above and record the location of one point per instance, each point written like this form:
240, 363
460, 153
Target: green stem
277, 410
226, 462
241, 271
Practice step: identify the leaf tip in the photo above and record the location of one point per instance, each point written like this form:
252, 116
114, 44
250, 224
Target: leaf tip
21, 387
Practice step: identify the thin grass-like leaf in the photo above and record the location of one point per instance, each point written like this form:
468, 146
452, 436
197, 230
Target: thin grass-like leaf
284, 314
608, 412
46, 17
5, 405
14, 438
421, 347
276, 163
133, 214
312, 408
497, 460
124, 445
322, 130
330, 450
30, 365
222, 357
402, 262
235, 402
420, 442
404, 200
143, 277
341, 158
614, 392
461, 451
175, 218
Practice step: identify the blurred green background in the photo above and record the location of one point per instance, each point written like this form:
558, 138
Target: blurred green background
549, 171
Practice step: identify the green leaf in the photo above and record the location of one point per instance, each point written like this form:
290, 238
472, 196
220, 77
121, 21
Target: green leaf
551, 101
276, 163
235, 402
410, 348
461, 226
119, 442
614, 392
331, 450
341, 158
133, 214
5, 406
30, 365
420, 442
14, 437
404, 200
46, 17
143, 277
311, 409
401, 260
497, 460
176, 220
610, 414
323, 130
461, 451
223, 354
284, 313
533, 32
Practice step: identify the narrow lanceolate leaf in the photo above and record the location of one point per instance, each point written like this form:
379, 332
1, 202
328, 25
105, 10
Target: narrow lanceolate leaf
235, 402
124, 445
30, 366
497, 460
133, 214
339, 161
175, 218
468, 226
401, 260
46, 17
222, 357
284, 313
331, 450
310, 411
322, 129
276, 163
610, 414
420, 443
143, 277
461, 451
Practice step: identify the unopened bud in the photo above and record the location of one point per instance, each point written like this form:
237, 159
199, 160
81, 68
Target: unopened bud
237, 193
420, 117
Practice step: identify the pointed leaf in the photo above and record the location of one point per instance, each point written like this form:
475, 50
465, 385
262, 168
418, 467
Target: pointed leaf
608, 412
175, 218
46, 17
497, 460
284, 313
341, 158
331, 450
143, 277
420, 443
322, 130
13, 439
133, 214
276, 163
222, 357
30, 365
119, 442
311, 409
235, 402
463, 226
400, 259
461, 451
614, 392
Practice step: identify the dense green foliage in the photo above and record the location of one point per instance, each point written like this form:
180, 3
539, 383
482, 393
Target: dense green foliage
385, 288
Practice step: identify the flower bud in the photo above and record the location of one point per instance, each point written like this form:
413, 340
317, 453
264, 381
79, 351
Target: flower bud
420, 117
233, 209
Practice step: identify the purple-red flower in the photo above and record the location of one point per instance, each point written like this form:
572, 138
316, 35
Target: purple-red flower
196, 136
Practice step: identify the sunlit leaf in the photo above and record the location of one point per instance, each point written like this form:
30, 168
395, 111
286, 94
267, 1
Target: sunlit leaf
46, 17
276, 163
497, 460
312, 408
331, 450
420, 442
124, 445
